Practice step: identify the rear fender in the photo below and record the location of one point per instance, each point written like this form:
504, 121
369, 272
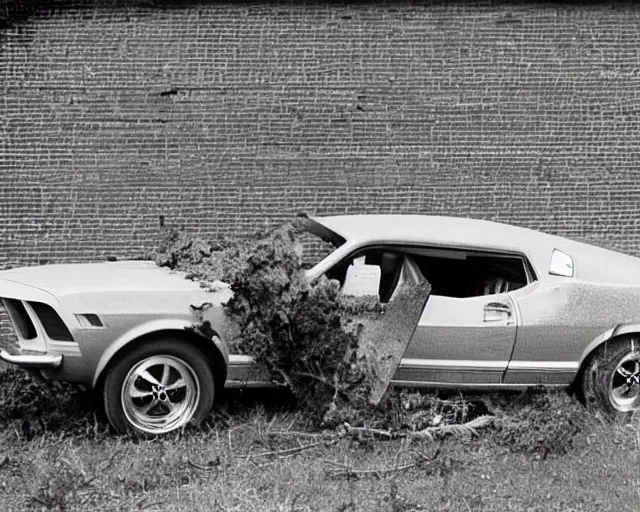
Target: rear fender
614, 332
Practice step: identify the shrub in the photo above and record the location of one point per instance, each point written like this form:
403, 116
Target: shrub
34, 408
302, 333
543, 423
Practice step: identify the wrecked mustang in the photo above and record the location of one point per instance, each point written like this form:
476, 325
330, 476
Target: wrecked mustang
509, 308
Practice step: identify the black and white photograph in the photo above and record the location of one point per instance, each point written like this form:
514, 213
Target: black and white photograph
306, 255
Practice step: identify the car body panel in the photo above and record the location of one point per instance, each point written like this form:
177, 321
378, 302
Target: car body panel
558, 322
131, 299
555, 322
70, 279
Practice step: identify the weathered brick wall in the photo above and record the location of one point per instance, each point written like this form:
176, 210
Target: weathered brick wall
224, 116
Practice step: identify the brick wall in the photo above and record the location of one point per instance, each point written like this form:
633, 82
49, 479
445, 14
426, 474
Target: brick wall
225, 116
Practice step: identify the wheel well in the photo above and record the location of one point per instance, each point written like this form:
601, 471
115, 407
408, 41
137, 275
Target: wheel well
576, 385
215, 359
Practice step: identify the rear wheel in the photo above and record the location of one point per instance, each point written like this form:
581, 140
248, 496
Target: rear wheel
611, 379
159, 387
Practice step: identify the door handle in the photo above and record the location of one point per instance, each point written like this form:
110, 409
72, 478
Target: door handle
496, 311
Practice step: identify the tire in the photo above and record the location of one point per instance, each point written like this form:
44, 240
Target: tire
158, 387
611, 379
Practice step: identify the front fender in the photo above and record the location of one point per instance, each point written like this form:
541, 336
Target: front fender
146, 329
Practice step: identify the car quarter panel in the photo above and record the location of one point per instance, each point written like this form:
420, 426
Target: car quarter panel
102, 359
559, 320
126, 314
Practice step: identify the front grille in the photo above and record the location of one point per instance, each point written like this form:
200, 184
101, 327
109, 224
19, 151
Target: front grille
51, 321
20, 319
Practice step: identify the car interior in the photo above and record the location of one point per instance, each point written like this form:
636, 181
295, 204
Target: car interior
451, 272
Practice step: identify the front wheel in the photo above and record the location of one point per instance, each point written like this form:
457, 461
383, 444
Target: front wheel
611, 379
159, 387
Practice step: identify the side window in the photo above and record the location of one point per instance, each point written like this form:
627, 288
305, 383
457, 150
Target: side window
561, 264
464, 274
451, 272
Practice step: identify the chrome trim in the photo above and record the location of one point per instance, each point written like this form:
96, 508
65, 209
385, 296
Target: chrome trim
464, 385
159, 404
32, 361
624, 387
452, 363
551, 366
241, 360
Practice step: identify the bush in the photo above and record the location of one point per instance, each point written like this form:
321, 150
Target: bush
543, 423
34, 408
302, 333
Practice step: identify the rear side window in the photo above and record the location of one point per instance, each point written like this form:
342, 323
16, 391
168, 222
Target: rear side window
451, 272
561, 264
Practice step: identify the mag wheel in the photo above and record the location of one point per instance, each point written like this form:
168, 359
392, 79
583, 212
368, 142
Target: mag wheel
158, 388
611, 380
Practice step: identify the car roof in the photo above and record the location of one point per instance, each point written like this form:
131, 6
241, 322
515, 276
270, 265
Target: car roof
450, 231
592, 263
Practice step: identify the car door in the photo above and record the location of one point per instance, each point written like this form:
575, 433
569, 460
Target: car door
461, 341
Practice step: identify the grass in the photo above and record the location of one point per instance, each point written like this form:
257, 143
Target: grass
544, 453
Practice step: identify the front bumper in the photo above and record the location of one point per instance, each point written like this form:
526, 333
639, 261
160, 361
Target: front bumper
32, 361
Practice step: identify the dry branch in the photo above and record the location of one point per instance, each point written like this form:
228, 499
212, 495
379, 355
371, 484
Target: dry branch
292, 451
203, 467
429, 433
464, 429
345, 470
387, 434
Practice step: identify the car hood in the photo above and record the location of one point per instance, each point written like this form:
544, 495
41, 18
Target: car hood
70, 279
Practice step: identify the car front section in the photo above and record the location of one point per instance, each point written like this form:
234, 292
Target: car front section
44, 342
